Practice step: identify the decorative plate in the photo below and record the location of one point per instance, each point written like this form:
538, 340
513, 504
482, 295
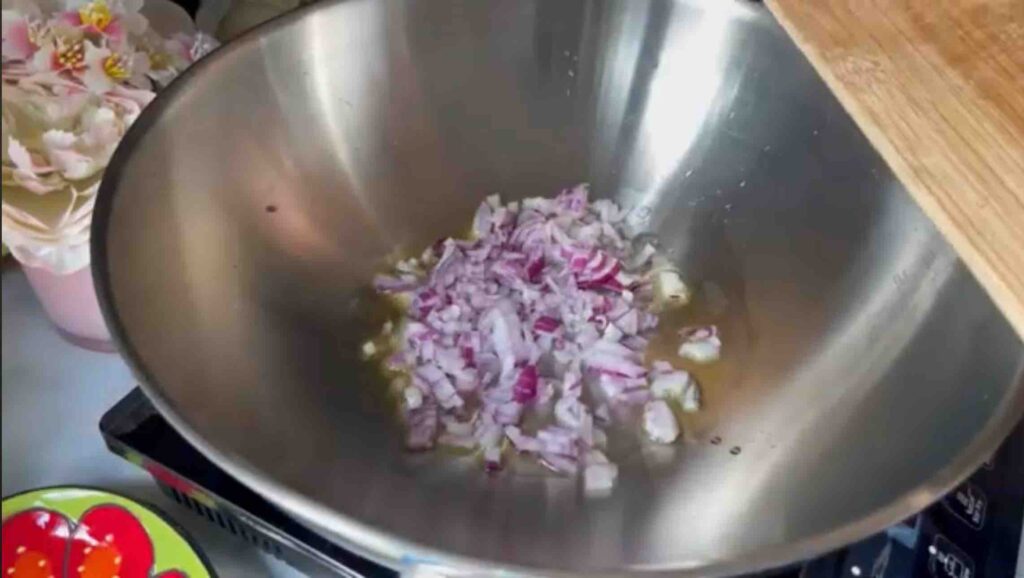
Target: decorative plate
74, 532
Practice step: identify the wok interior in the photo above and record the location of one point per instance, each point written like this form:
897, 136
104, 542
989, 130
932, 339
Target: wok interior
261, 194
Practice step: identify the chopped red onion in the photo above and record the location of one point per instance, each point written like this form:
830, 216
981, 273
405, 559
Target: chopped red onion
671, 384
413, 397
549, 298
700, 344
599, 474
659, 423
526, 385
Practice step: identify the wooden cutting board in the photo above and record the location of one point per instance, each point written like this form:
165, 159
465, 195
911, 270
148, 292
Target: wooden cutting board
938, 88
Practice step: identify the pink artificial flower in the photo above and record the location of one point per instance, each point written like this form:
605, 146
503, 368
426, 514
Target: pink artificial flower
179, 47
63, 50
177, 53
18, 37
105, 69
129, 101
111, 20
76, 74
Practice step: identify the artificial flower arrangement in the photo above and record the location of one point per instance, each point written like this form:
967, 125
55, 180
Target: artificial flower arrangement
76, 74
75, 77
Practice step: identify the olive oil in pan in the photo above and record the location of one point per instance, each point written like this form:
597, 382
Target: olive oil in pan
707, 307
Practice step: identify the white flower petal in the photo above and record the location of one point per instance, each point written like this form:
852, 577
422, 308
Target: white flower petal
74, 165
20, 156
22, 217
134, 23
94, 54
42, 60
58, 139
96, 80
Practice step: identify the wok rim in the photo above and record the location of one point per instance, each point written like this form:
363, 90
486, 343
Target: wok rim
395, 551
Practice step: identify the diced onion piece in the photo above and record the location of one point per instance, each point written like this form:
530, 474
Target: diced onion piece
599, 474
523, 442
661, 366
669, 288
659, 423
369, 349
422, 422
691, 398
671, 385
700, 344
643, 257
492, 458
612, 333
413, 397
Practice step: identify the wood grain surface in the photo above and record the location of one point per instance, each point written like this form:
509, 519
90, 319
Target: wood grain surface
938, 88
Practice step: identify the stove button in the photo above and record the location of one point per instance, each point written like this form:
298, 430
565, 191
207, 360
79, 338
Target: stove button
946, 560
969, 503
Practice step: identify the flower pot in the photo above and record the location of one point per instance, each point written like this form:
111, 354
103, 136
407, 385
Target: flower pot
70, 303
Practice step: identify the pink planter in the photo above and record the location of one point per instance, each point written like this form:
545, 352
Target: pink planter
70, 302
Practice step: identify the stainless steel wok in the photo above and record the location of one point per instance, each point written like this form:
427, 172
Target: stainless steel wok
865, 372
